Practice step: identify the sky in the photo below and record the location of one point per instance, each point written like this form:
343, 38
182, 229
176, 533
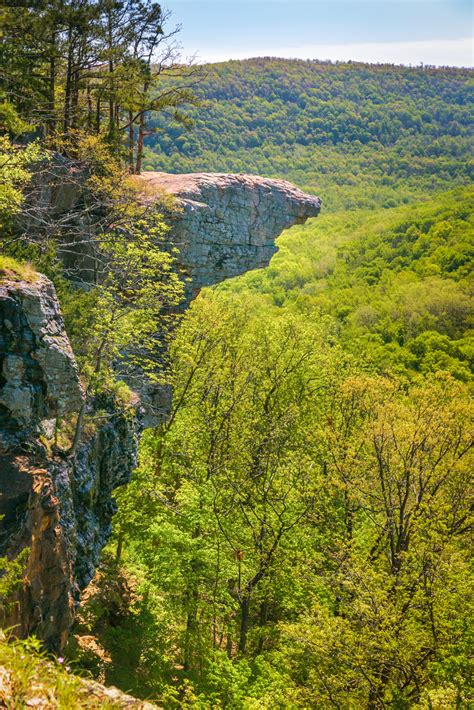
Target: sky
397, 31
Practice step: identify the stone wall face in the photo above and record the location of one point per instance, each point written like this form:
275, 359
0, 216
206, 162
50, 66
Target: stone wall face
39, 378
60, 507
224, 225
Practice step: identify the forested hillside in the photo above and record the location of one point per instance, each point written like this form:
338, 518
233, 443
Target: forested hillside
397, 283
300, 524
303, 538
297, 531
360, 135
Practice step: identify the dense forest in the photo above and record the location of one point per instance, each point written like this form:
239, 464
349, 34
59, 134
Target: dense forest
303, 488
302, 541
359, 135
297, 534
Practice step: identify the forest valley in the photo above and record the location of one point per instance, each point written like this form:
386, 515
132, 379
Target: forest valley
297, 534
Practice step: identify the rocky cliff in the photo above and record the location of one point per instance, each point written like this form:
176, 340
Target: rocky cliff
224, 225
228, 224
58, 504
39, 376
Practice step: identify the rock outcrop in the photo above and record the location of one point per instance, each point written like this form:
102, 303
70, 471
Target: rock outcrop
38, 373
224, 225
57, 506
60, 505
228, 223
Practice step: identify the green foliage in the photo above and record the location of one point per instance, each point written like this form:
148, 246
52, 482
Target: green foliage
30, 679
93, 66
127, 307
15, 173
12, 269
11, 578
10, 120
303, 522
303, 517
296, 534
399, 597
123, 293
359, 135
397, 283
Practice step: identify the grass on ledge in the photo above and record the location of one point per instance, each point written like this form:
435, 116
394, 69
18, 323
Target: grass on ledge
14, 270
28, 678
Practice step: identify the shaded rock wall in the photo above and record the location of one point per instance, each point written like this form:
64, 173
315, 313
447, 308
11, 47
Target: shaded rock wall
60, 507
39, 378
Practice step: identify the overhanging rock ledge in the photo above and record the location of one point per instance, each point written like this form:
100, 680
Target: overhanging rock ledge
228, 223
225, 225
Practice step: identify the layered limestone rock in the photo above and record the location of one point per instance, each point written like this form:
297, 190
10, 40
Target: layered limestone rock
38, 373
228, 224
60, 505
57, 506
224, 225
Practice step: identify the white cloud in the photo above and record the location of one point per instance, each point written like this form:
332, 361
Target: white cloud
444, 52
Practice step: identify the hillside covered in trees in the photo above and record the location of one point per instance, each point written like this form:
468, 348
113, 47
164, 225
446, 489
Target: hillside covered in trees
305, 493
297, 532
359, 135
303, 537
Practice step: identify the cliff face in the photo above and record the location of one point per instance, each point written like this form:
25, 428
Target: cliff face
224, 226
39, 381
58, 505
38, 376
228, 223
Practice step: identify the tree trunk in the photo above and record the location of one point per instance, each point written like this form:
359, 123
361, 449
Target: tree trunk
262, 624
375, 700
90, 111
97, 116
141, 136
192, 598
191, 624
131, 142
51, 120
78, 432
118, 553
68, 86
75, 99
244, 624
141, 131
111, 87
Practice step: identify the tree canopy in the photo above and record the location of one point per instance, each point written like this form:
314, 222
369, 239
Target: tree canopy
358, 135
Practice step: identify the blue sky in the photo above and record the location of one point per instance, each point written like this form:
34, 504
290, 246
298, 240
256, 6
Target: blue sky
399, 31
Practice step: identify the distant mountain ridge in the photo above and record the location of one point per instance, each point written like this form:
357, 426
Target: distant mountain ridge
331, 128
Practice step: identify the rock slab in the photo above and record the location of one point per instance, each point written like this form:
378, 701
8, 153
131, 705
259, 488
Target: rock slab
227, 224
